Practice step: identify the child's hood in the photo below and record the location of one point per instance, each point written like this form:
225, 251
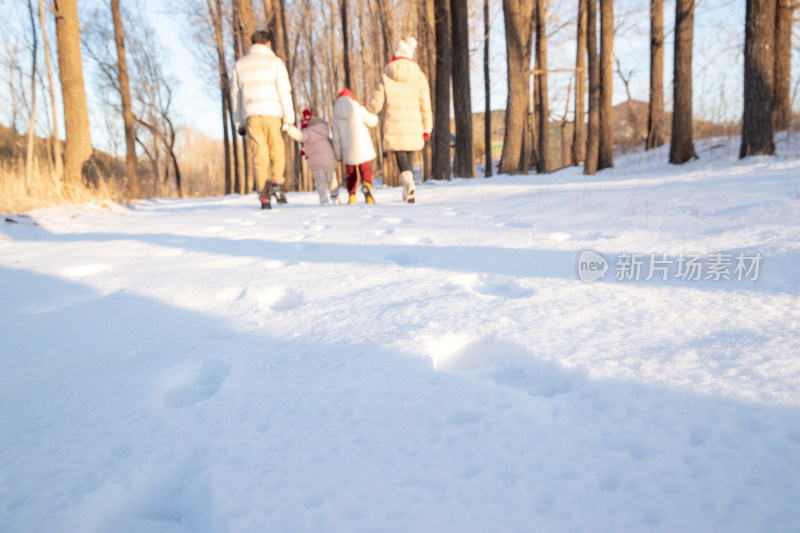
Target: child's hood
344, 107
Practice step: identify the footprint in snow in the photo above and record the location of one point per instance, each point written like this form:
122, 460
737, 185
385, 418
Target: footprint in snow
187, 384
494, 285
505, 363
82, 271
277, 297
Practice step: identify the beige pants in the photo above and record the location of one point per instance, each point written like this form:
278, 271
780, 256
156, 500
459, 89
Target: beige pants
267, 148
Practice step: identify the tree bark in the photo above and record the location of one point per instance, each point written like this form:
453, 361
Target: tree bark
127, 108
78, 145
605, 158
464, 162
759, 73
682, 140
518, 16
579, 132
655, 107
543, 125
444, 64
487, 91
593, 131
782, 99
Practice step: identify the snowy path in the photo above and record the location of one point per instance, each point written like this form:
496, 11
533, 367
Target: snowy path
203, 366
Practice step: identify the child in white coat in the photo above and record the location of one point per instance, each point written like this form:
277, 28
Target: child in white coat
318, 150
352, 143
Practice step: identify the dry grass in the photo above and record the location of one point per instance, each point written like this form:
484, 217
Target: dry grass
17, 196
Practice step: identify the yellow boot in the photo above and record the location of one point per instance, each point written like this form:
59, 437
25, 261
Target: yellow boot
352, 199
366, 188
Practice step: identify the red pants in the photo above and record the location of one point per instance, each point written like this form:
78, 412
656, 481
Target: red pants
352, 175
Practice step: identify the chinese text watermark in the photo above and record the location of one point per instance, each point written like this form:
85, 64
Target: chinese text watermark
686, 266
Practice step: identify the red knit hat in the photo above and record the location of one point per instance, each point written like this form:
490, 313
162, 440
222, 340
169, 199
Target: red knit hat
306, 118
347, 92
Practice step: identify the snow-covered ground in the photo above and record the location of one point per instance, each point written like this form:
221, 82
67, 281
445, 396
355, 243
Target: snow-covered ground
205, 366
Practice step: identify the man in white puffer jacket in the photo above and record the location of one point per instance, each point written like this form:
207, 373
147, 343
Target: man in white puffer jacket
262, 102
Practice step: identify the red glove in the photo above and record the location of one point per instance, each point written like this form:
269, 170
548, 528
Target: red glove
426, 136
303, 153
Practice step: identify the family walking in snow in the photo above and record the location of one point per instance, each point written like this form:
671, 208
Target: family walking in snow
263, 110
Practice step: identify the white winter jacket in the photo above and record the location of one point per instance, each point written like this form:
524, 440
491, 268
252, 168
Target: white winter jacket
260, 87
404, 96
351, 139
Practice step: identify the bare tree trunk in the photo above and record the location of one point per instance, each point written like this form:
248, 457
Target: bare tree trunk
487, 92
386, 30
593, 132
29, 155
759, 73
655, 108
246, 24
529, 140
464, 163
281, 35
565, 147
579, 132
682, 140
518, 15
57, 160
348, 82
427, 62
636, 134
543, 125
444, 63
281, 44
173, 157
78, 145
241, 171
605, 158
225, 88
127, 107
782, 99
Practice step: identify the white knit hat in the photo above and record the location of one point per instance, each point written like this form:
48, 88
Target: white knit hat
405, 48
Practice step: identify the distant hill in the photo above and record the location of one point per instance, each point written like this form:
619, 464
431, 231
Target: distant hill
630, 130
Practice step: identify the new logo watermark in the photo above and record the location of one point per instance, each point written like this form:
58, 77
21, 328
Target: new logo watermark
591, 266
686, 266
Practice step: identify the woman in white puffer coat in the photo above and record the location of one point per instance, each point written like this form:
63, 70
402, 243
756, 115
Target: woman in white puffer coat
352, 143
403, 95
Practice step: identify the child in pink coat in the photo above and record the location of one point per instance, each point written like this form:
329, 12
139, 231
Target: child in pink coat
318, 150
